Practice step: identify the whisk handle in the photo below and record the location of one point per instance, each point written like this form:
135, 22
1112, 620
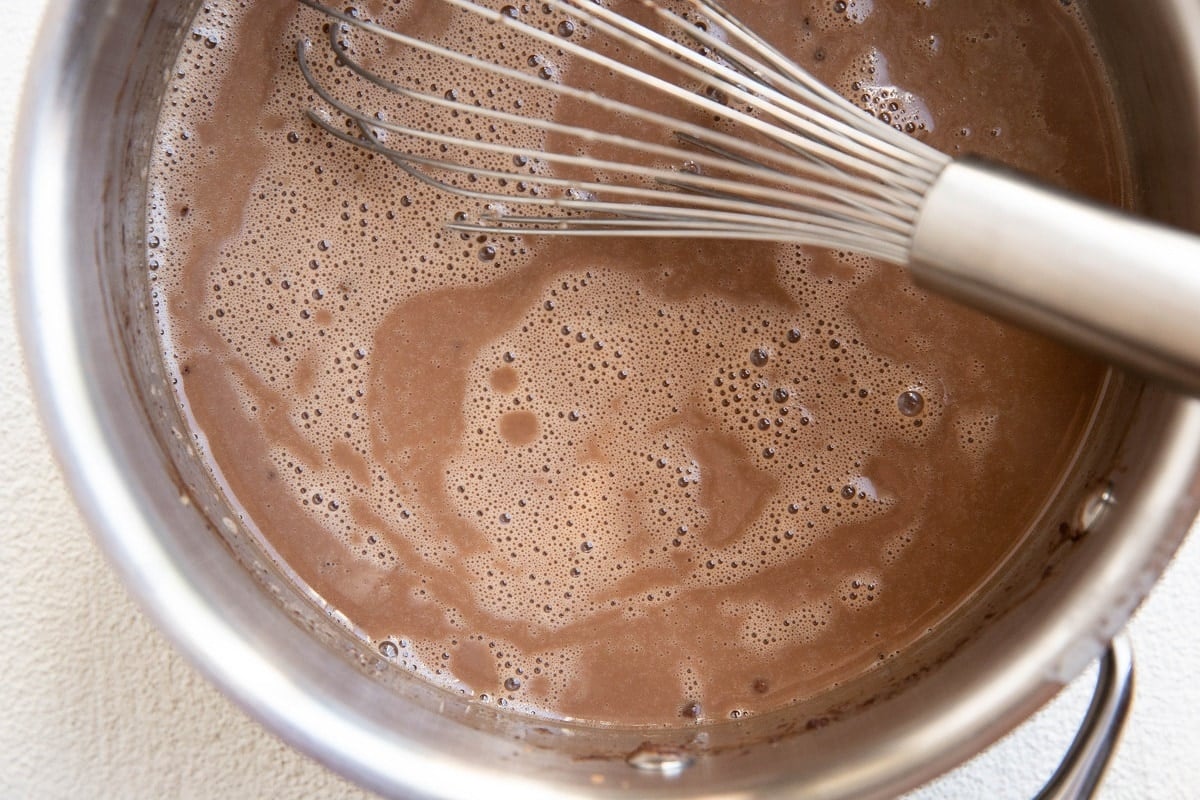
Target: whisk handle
1123, 288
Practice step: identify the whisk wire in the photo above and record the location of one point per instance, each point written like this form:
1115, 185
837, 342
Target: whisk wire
827, 184
721, 192
868, 208
813, 117
833, 177
642, 219
842, 149
834, 164
790, 78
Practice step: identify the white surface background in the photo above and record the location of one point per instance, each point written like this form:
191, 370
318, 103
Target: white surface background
94, 704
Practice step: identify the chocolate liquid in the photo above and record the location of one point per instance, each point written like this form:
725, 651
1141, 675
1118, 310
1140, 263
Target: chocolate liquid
620, 481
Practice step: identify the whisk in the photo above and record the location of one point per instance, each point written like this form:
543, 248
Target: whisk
756, 148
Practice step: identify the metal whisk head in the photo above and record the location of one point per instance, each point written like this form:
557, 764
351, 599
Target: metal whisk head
701, 129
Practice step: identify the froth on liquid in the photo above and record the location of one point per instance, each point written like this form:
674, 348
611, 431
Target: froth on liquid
628, 482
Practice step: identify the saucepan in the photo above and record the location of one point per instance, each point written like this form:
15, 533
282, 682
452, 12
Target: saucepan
85, 302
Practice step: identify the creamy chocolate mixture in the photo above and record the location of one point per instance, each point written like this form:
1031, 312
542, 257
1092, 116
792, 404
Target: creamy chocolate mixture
612, 480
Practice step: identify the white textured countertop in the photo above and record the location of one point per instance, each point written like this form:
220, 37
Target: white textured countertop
94, 704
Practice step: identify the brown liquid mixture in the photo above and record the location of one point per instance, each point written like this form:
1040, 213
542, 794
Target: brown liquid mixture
620, 481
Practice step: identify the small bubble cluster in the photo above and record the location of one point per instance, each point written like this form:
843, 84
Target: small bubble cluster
841, 15
868, 85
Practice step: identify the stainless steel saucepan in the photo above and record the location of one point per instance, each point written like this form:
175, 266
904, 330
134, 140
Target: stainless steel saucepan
84, 293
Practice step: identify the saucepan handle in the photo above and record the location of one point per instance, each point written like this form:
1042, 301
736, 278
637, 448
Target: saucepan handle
1082, 767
